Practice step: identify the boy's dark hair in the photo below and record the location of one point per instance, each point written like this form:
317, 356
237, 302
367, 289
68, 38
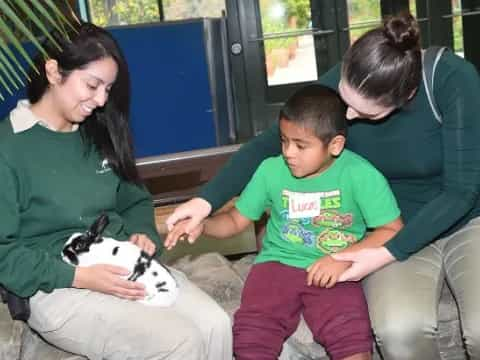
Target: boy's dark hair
107, 128
319, 108
385, 64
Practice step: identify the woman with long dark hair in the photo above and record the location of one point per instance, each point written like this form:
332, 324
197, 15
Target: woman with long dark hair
66, 157
433, 169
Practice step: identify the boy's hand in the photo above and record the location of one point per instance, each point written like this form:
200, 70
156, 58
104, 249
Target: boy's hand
144, 243
194, 210
179, 232
326, 271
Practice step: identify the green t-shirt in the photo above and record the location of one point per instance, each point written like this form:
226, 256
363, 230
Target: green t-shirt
315, 216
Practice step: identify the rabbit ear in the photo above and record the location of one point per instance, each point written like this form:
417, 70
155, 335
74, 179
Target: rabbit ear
99, 225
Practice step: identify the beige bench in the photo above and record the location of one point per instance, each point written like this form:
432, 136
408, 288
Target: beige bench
223, 280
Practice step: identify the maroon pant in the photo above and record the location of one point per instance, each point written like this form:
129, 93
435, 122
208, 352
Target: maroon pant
273, 298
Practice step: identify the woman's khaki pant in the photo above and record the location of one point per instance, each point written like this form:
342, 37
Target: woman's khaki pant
403, 297
102, 326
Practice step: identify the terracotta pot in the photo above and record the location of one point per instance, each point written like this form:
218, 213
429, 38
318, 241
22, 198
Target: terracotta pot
270, 65
281, 56
292, 50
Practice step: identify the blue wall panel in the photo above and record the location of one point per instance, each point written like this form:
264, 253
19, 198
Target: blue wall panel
171, 104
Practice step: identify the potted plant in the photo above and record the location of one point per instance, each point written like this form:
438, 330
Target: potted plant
270, 60
26, 20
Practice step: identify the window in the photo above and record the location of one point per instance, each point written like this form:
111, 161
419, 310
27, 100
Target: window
457, 25
288, 43
363, 16
128, 12
187, 9
123, 12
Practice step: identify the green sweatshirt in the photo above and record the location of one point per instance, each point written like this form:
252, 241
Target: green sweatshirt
433, 169
51, 188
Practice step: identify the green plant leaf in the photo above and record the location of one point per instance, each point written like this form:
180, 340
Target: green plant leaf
11, 37
20, 26
5, 85
59, 14
7, 74
42, 10
11, 55
8, 65
15, 14
31, 16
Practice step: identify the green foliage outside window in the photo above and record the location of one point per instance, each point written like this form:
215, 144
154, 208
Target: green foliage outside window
362, 11
296, 15
457, 33
457, 24
187, 9
123, 12
299, 9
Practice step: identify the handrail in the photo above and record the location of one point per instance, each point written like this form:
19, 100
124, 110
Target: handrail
198, 166
186, 155
294, 33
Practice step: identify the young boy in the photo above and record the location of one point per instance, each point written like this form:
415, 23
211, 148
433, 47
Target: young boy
322, 199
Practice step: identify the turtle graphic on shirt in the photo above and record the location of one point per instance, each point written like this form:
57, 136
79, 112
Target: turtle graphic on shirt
331, 241
294, 233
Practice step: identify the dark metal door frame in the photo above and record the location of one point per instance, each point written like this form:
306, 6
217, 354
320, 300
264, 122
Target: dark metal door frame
257, 105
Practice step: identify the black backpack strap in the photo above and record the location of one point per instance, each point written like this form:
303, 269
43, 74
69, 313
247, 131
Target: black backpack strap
430, 58
18, 307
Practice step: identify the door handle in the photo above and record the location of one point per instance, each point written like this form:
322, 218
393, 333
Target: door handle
236, 48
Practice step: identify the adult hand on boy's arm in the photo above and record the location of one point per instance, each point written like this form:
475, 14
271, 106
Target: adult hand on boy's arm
179, 233
369, 255
326, 271
364, 262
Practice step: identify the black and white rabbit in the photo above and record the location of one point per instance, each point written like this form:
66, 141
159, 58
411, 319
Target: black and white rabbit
90, 248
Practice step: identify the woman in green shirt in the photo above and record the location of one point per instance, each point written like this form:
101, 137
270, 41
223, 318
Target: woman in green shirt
433, 169
66, 157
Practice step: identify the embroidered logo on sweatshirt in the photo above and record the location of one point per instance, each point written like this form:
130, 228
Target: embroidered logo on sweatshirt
104, 167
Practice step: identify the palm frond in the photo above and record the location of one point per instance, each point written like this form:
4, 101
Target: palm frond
59, 14
8, 68
26, 20
34, 18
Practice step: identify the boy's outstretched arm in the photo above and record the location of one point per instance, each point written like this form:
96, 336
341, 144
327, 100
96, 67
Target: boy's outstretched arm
222, 225
226, 224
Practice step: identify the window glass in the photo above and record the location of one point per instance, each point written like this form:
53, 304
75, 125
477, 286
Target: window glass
126, 12
412, 5
289, 58
362, 16
123, 12
186, 9
457, 27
